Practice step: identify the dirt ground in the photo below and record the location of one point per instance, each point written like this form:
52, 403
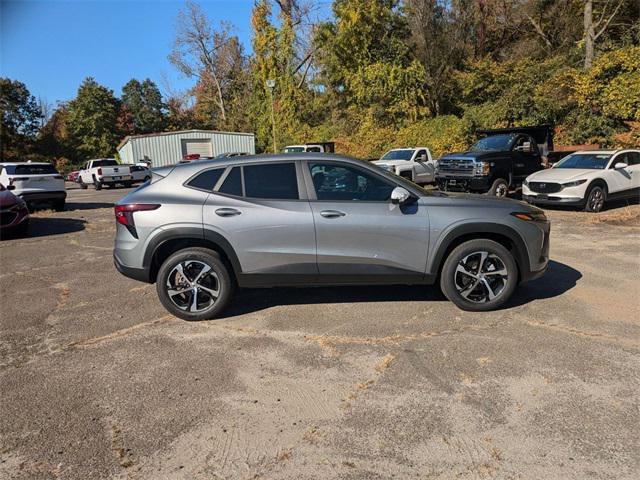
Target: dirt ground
97, 381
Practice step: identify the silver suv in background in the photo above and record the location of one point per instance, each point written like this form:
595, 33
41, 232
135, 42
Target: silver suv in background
199, 230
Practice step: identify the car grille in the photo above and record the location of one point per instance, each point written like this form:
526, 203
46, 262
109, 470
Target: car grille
462, 166
543, 187
6, 218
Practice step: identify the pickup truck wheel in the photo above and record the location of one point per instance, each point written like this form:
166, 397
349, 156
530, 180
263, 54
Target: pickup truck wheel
596, 197
499, 188
479, 275
82, 184
194, 284
97, 185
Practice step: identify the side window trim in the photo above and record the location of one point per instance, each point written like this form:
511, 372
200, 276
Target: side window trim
302, 190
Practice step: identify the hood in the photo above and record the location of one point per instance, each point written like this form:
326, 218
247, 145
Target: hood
8, 199
479, 200
475, 155
560, 174
392, 162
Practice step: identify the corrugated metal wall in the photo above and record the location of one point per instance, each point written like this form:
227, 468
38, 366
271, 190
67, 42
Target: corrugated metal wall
166, 149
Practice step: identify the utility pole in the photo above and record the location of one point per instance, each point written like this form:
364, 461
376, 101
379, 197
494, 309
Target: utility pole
271, 85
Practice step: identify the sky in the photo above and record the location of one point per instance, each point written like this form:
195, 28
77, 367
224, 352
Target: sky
52, 45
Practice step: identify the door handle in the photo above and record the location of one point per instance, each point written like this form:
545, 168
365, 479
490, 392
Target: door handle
227, 212
332, 213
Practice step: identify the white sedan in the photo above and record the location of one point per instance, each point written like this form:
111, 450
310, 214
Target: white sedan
586, 179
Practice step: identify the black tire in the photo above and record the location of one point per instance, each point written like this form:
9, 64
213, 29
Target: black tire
127, 184
595, 199
218, 277
455, 284
58, 205
23, 229
499, 188
97, 185
82, 184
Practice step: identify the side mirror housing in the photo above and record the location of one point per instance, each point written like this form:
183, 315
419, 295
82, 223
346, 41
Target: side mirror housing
620, 165
399, 196
11, 187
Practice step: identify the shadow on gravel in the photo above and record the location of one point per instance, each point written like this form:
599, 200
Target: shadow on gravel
558, 279
252, 300
70, 206
45, 226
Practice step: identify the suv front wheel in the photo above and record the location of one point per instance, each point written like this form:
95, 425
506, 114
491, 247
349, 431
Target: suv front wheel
479, 275
194, 284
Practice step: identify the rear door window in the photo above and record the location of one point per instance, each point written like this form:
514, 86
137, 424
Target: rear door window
276, 181
232, 185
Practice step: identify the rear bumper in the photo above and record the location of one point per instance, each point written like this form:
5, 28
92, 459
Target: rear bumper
43, 196
553, 200
140, 274
120, 179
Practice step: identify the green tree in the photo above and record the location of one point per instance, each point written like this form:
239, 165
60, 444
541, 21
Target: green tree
143, 102
91, 120
20, 119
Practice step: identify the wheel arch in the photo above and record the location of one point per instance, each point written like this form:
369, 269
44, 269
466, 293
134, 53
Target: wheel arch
502, 234
171, 241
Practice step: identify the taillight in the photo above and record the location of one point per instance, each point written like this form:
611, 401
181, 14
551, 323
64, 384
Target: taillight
124, 214
99, 171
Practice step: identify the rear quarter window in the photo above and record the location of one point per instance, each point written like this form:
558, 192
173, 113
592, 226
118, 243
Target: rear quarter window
207, 179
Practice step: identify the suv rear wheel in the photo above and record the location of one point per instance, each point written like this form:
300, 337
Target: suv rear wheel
194, 284
479, 275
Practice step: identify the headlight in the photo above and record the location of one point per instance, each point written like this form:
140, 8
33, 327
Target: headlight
482, 168
574, 184
530, 216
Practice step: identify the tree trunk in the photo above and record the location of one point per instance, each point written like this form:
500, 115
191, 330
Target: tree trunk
589, 34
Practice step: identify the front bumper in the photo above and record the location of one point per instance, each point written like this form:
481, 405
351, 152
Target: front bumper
553, 200
453, 183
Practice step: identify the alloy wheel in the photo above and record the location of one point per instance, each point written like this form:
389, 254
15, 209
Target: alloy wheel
596, 200
480, 277
193, 286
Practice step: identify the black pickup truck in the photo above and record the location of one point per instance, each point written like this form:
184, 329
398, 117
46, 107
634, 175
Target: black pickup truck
498, 162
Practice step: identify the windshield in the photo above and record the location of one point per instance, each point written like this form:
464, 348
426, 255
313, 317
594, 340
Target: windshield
104, 163
495, 143
398, 155
596, 161
293, 149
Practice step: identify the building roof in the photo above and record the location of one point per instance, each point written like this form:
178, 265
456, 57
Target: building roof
178, 132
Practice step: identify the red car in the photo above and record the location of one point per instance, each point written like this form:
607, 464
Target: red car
14, 215
72, 176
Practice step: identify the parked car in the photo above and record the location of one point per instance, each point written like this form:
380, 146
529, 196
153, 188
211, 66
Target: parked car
497, 163
72, 176
14, 214
104, 172
415, 164
35, 182
198, 229
586, 179
139, 174
316, 147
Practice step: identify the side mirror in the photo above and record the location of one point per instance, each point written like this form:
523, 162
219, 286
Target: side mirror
11, 187
525, 147
620, 165
399, 196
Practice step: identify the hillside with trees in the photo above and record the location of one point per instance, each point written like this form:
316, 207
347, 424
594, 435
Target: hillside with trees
376, 74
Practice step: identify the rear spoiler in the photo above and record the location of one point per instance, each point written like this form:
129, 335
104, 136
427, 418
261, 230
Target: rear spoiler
160, 172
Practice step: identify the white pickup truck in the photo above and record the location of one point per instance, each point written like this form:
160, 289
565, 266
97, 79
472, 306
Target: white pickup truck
413, 163
104, 171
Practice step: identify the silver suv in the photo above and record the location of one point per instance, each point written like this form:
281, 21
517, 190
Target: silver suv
200, 230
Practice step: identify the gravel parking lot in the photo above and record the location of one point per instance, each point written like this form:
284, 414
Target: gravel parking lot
97, 381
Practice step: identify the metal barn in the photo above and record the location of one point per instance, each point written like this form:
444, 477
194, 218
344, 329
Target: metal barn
170, 147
